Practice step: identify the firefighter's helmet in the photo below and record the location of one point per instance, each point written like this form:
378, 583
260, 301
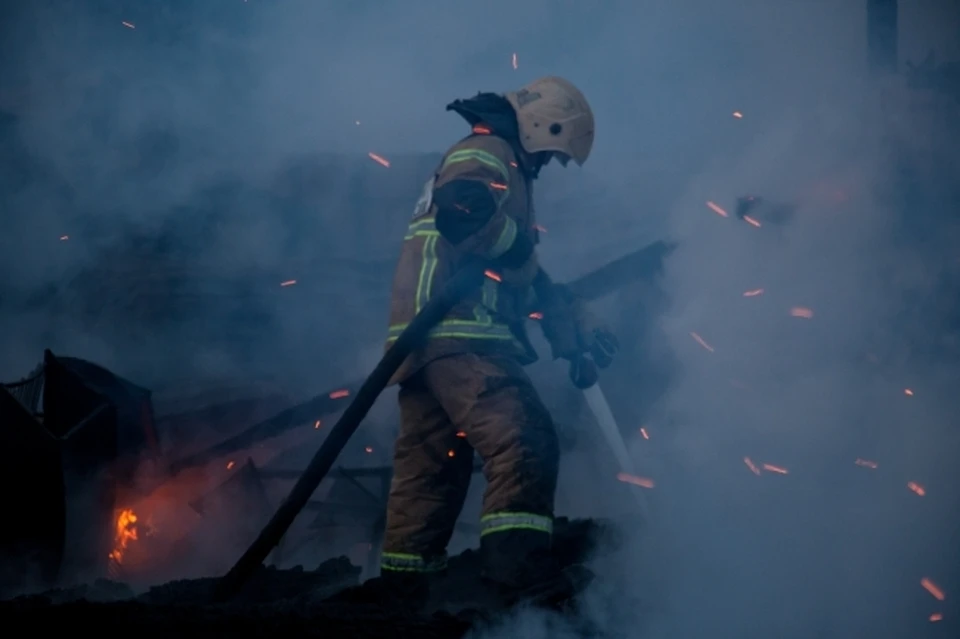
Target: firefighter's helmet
554, 116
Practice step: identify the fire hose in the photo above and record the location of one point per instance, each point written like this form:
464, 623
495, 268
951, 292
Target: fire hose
468, 279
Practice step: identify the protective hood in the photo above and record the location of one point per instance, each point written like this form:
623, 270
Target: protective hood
495, 111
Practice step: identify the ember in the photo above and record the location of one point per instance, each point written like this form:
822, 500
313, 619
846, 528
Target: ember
379, 160
917, 488
643, 482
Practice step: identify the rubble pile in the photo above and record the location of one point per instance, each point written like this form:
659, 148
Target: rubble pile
327, 601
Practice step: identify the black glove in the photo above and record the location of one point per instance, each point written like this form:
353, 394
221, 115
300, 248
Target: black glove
583, 372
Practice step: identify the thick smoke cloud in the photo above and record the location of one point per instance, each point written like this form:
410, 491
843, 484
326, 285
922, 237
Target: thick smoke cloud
139, 119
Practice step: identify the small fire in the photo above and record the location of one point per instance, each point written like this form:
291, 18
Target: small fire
379, 159
126, 531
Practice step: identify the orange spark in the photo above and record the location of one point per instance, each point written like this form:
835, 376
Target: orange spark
493, 275
866, 463
933, 589
230, 464
368, 449
64, 238
775, 469
288, 283
751, 465
450, 453
701, 341
800, 311
480, 129
753, 293
498, 186
514, 165
908, 392
379, 159
461, 434
917, 488
125, 532
537, 315
317, 424
514, 60
716, 209
750, 220
128, 25
737, 114
937, 616
643, 431
338, 394
643, 482
541, 229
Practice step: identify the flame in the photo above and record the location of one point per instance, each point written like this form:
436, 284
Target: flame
917, 488
643, 431
800, 311
866, 463
753, 293
716, 209
701, 342
933, 589
288, 283
643, 482
126, 531
338, 394
379, 159
751, 465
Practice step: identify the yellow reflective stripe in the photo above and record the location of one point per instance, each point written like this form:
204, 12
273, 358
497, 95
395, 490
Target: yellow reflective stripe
506, 239
428, 268
488, 301
504, 521
460, 329
403, 562
484, 157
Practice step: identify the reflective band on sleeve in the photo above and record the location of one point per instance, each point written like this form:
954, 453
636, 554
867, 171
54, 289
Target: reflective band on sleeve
403, 562
504, 521
484, 157
506, 239
466, 329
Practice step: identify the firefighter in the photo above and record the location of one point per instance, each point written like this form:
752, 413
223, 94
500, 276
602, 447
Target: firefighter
466, 389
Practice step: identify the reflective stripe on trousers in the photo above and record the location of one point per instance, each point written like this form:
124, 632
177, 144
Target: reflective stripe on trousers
505, 521
405, 562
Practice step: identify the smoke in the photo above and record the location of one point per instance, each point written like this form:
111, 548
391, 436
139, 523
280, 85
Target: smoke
227, 141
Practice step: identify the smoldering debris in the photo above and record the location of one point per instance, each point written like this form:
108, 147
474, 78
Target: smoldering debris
325, 601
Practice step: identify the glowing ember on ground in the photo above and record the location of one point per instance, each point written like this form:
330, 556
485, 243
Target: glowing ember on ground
379, 159
917, 488
288, 283
800, 311
338, 394
866, 463
933, 589
716, 209
126, 531
643, 482
751, 465
701, 341
643, 432
775, 469
753, 293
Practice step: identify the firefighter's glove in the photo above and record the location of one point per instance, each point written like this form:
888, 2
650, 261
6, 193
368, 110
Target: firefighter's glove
595, 338
560, 328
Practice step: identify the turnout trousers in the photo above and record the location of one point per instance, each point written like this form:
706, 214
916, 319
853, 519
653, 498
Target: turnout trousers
450, 408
